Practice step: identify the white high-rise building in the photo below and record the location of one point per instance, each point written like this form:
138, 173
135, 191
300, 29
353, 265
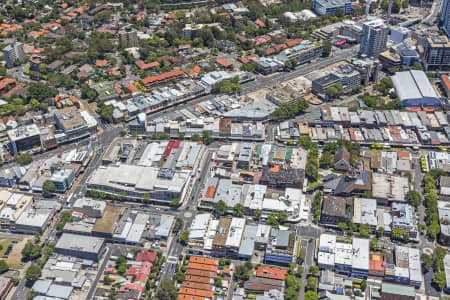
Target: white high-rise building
13, 52
374, 37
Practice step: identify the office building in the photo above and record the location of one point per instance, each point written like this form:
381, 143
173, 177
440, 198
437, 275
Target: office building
330, 7
13, 52
346, 76
63, 179
24, 138
445, 17
435, 52
374, 37
128, 38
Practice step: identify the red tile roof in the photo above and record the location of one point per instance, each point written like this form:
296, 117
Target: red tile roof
190, 297
404, 154
195, 292
271, 272
204, 260
100, 63
376, 262
198, 286
143, 66
146, 256
201, 273
224, 63
202, 267
198, 279
5, 82
294, 42
260, 23
157, 79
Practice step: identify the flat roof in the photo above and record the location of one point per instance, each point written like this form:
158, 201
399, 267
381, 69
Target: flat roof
80, 243
413, 84
360, 254
235, 233
132, 177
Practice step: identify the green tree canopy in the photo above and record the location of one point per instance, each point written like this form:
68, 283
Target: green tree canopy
33, 272
167, 290
48, 187
220, 208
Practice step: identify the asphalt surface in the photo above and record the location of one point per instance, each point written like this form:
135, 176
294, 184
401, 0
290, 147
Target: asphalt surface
430, 290
99, 273
176, 248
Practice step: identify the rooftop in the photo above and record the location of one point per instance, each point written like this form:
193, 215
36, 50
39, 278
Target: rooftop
80, 243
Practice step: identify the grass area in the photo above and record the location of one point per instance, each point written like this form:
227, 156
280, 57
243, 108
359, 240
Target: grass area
314, 184
4, 245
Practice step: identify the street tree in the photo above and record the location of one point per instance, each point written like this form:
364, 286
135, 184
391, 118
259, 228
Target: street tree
48, 187
167, 290
238, 210
33, 272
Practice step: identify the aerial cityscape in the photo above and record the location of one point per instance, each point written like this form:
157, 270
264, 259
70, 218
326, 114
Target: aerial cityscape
225, 150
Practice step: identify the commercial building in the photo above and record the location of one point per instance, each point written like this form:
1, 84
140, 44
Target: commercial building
63, 179
84, 247
346, 76
435, 52
374, 37
351, 259
13, 52
128, 37
24, 138
133, 182
334, 210
330, 7
89, 207
74, 124
266, 65
35, 218
303, 53
414, 89
445, 17
391, 291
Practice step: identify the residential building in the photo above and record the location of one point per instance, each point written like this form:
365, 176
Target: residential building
303, 53
266, 65
331, 7
128, 37
342, 160
374, 37
13, 52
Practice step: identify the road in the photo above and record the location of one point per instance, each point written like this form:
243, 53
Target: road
188, 215
435, 8
308, 234
99, 273
271, 80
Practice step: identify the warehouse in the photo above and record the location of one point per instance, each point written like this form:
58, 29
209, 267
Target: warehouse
414, 89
